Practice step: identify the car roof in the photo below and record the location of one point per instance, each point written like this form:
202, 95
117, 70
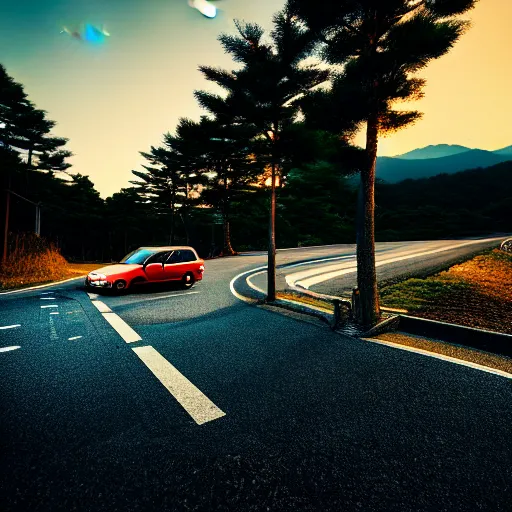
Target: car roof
169, 248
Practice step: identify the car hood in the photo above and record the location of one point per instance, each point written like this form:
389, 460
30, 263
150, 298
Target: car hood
111, 270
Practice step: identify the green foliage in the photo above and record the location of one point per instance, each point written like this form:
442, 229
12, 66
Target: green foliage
381, 46
415, 294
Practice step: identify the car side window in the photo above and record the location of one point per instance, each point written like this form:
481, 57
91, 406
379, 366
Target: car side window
188, 256
175, 257
159, 257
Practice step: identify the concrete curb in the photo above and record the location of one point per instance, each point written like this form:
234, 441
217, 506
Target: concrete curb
300, 308
480, 339
390, 324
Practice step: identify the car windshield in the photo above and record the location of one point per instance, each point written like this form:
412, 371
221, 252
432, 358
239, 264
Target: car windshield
137, 257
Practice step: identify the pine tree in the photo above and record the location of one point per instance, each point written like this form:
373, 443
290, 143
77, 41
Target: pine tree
381, 44
263, 93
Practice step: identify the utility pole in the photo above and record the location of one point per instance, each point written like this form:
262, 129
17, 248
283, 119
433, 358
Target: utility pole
6, 226
38, 219
37, 225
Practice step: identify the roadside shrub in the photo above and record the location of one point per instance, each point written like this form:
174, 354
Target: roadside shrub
31, 259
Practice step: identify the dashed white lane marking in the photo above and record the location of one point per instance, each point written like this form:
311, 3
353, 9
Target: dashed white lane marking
46, 293
47, 298
117, 323
8, 349
74, 338
476, 366
10, 326
121, 327
50, 306
198, 405
92, 295
101, 306
54, 313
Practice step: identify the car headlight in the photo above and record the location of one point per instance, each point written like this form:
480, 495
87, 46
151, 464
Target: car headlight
97, 277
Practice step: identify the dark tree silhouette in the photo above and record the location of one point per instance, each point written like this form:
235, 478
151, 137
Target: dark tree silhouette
381, 44
263, 95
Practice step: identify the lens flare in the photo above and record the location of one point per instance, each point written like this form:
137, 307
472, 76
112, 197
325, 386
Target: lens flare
204, 7
88, 33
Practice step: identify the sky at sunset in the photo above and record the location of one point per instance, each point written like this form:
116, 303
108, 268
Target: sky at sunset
116, 99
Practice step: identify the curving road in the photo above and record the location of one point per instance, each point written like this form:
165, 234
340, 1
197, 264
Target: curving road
195, 400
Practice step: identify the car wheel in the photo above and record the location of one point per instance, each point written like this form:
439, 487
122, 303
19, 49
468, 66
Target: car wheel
119, 286
188, 280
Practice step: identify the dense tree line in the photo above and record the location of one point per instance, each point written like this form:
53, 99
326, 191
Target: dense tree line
269, 159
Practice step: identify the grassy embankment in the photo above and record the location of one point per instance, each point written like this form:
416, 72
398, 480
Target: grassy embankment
33, 261
476, 293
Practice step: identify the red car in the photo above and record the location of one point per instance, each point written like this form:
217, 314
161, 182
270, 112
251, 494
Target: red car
150, 265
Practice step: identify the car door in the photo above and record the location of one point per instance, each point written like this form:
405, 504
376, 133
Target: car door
173, 266
154, 267
189, 262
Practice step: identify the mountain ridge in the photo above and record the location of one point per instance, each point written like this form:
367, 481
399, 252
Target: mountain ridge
395, 169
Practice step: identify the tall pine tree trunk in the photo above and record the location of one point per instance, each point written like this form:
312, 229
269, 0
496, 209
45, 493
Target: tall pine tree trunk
366, 273
228, 248
271, 266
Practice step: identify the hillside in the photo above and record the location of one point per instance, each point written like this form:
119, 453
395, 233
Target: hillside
393, 170
433, 151
466, 203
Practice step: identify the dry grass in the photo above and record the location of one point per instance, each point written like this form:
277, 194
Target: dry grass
32, 260
476, 293
84, 268
311, 301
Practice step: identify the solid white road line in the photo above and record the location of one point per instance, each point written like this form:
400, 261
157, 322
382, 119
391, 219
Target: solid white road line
50, 306
42, 286
300, 277
469, 364
121, 327
198, 405
232, 285
306, 283
252, 285
10, 326
101, 306
8, 349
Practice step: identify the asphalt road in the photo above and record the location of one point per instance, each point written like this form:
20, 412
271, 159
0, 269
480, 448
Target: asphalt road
271, 413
